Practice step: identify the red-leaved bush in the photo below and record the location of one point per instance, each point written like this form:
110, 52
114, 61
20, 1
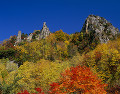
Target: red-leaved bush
39, 90
80, 80
24, 92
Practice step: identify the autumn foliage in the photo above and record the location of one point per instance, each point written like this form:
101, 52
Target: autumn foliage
39, 91
78, 80
40, 63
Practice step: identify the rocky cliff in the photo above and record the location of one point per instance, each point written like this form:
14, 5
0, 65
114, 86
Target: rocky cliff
37, 34
44, 32
102, 29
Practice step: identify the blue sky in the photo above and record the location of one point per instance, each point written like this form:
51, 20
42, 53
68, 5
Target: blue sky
68, 15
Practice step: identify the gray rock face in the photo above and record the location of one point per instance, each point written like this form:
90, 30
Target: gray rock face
29, 38
11, 66
103, 29
18, 37
40, 34
44, 32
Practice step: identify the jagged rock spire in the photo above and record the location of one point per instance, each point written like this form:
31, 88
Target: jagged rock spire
40, 34
44, 32
18, 37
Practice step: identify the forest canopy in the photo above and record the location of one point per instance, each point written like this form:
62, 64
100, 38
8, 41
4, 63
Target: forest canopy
60, 64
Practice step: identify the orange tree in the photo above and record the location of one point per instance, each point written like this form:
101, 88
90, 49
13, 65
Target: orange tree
78, 80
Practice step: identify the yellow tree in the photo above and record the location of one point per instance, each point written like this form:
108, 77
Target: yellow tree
105, 60
35, 75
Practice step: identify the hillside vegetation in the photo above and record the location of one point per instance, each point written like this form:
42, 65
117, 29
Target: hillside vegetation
60, 64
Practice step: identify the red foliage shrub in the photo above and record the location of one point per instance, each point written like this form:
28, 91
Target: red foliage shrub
39, 90
78, 80
24, 92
